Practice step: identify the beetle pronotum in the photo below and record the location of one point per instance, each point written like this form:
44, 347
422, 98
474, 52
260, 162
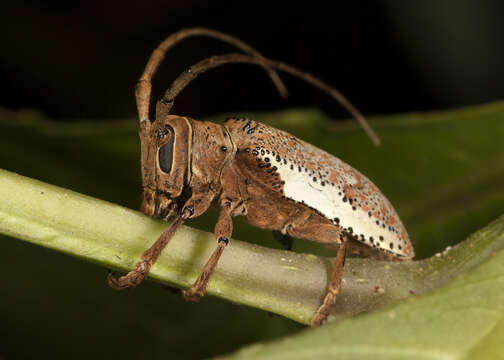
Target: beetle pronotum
277, 181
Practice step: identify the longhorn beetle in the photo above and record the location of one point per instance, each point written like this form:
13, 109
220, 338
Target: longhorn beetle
277, 181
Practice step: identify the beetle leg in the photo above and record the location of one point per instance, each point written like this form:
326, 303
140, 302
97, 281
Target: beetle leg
333, 289
306, 225
223, 231
309, 226
285, 240
296, 222
195, 206
149, 257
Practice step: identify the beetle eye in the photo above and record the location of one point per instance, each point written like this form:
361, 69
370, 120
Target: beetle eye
165, 154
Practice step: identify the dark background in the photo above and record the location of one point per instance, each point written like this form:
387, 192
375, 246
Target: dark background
81, 59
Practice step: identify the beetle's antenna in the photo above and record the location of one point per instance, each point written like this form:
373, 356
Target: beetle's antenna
215, 61
143, 88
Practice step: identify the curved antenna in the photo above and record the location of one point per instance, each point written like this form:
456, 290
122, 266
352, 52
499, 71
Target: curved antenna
166, 103
143, 88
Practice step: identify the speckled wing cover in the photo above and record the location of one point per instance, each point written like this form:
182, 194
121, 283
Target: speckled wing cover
323, 182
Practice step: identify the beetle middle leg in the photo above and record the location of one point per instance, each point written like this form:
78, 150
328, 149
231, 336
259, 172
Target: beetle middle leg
333, 289
232, 203
195, 206
223, 231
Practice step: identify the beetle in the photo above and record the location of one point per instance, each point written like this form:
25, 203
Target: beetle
245, 168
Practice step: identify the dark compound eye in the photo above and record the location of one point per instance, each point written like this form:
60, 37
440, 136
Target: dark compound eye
165, 154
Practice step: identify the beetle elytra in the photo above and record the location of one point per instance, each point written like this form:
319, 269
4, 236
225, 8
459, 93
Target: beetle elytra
277, 181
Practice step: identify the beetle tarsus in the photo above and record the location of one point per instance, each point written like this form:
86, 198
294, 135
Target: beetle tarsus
192, 295
131, 279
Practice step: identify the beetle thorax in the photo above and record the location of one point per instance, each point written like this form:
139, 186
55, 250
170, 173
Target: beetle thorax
212, 150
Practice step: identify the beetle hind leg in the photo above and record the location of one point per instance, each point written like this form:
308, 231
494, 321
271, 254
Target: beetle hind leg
333, 289
307, 225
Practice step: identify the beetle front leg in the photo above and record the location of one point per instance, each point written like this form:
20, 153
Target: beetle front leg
195, 206
223, 231
333, 288
149, 257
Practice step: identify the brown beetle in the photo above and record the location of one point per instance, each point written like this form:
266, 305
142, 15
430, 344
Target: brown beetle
277, 181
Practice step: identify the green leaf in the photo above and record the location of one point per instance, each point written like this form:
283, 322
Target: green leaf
463, 319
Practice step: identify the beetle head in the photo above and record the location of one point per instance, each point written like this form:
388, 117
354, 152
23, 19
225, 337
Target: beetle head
166, 169
180, 156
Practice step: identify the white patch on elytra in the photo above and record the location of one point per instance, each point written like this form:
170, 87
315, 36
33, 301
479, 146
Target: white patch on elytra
300, 187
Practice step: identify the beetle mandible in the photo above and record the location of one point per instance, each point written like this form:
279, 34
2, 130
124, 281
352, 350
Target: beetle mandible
277, 181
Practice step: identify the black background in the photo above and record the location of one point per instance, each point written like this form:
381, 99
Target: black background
81, 59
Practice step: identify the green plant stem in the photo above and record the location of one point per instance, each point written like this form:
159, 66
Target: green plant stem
281, 282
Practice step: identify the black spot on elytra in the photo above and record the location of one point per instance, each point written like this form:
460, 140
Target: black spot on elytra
252, 130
